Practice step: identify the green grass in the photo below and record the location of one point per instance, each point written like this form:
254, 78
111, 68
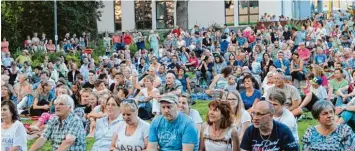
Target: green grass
201, 106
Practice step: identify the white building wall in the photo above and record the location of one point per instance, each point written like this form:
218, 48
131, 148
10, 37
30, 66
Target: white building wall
205, 13
107, 22
287, 8
128, 15
271, 7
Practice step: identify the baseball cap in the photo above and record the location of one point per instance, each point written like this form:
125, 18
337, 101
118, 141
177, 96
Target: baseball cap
171, 98
316, 80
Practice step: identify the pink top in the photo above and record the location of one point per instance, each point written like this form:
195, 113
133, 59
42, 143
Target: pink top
324, 80
304, 53
4, 46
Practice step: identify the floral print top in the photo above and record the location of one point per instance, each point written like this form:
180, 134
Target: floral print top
342, 139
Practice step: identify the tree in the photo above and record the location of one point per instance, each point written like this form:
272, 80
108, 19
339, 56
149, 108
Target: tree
182, 13
22, 18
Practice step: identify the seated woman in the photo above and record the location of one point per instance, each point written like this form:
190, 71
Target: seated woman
251, 95
327, 135
267, 83
242, 118
344, 98
185, 106
298, 70
133, 131
147, 94
347, 114
42, 99
317, 93
7, 93
219, 81
105, 126
184, 79
218, 133
13, 133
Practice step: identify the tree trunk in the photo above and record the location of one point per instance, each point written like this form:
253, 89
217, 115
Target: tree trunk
182, 14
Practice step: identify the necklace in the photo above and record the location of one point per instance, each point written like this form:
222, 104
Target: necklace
263, 137
216, 134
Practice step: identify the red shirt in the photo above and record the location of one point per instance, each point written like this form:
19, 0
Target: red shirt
192, 59
177, 31
304, 53
127, 39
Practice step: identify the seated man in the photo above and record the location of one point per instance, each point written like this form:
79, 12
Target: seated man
65, 130
347, 114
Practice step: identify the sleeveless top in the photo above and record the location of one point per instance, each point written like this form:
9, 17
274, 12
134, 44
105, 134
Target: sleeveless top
221, 82
224, 144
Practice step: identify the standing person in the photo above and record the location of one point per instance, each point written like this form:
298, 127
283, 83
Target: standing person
154, 42
133, 132
172, 130
13, 133
277, 99
218, 133
4, 45
266, 133
65, 130
106, 126
327, 135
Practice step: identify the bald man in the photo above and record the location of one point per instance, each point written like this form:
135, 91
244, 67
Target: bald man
172, 85
266, 133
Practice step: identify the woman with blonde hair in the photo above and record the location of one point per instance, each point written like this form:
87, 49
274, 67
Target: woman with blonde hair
242, 118
42, 99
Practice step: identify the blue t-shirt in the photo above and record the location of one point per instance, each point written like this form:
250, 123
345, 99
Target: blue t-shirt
320, 58
249, 100
170, 136
285, 62
281, 139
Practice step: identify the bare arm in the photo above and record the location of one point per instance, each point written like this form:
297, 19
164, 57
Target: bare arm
38, 144
35, 106
202, 139
152, 146
330, 93
113, 142
245, 125
235, 140
188, 147
69, 140
294, 105
214, 81
188, 84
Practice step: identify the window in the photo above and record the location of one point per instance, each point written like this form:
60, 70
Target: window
165, 14
229, 12
118, 15
143, 12
248, 12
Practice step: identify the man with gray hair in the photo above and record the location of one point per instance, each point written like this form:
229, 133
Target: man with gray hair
172, 85
266, 133
293, 98
66, 130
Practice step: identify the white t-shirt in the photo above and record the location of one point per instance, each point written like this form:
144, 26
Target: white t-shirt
320, 92
195, 116
244, 118
288, 119
14, 136
134, 142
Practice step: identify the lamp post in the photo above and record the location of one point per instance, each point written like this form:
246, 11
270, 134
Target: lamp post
55, 25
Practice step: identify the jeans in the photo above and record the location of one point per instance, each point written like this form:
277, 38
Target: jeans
349, 118
297, 75
339, 101
207, 76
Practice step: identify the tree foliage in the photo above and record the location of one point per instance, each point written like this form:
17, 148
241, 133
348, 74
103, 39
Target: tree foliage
22, 18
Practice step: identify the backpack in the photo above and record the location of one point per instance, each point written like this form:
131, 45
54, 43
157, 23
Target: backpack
145, 110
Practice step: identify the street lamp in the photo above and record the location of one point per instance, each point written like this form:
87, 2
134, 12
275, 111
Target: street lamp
55, 25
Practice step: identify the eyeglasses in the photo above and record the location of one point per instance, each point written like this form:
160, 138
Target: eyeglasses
253, 114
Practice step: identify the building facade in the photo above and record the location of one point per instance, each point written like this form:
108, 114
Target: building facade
123, 15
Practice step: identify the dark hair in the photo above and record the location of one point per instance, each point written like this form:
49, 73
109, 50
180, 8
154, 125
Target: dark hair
227, 71
39, 68
45, 72
117, 101
248, 76
92, 71
339, 69
98, 82
220, 59
102, 76
295, 53
226, 113
12, 109
125, 91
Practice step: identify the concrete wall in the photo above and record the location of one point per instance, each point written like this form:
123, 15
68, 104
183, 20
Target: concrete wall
205, 13
128, 15
107, 22
287, 8
271, 7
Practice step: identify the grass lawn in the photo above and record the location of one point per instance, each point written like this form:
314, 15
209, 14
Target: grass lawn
201, 106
